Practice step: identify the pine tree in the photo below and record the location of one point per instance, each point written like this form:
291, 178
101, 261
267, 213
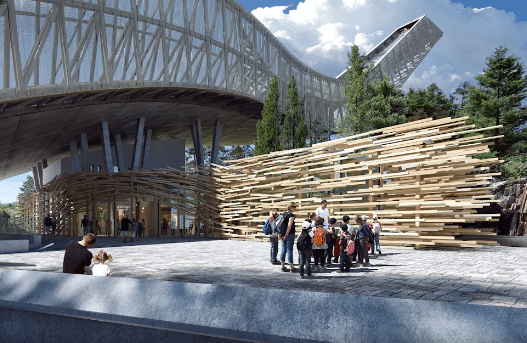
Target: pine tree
498, 101
267, 129
28, 186
429, 103
294, 130
354, 92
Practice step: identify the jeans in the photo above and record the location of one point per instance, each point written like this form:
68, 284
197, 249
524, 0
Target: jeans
47, 230
84, 229
344, 260
329, 253
305, 259
274, 248
318, 255
376, 244
363, 250
287, 244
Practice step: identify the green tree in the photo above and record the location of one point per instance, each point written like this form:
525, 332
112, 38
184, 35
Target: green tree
294, 130
267, 129
354, 89
384, 105
462, 91
498, 101
429, 103
28, 186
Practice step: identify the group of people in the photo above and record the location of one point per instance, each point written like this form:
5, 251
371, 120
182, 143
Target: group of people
90, 226
132, 229
322, 240
78, 259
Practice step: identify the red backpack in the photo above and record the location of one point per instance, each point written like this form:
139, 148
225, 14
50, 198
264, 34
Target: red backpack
319, 237
350, 246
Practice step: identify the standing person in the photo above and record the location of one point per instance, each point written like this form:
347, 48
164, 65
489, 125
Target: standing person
54, 226
269, 228
319, 244
303, 245
133, 230
344, 240
377, 228
125, 225
140, 229
364, 236
164, 226
144, 226
5, 218
84, 225
288, 239
77, 257
331, 239
48, 224
100, 268
323, 212
91, 224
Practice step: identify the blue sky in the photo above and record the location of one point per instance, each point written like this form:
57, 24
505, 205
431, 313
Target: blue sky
321, 32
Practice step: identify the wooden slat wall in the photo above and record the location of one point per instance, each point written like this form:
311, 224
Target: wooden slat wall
418, 177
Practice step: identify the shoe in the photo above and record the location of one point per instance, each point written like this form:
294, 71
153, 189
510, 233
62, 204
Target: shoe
379, 252
361, 265
367, 264
301, 276
275, 263
293, 270
340, 271
284, 269
335, 260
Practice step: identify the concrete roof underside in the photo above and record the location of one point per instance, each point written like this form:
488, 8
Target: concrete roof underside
34, 129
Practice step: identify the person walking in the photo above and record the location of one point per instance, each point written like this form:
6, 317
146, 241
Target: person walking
140, 229
125, 225
77, 257
288, 239
48, 224
164, 226
133, 230
377, 228
84, 225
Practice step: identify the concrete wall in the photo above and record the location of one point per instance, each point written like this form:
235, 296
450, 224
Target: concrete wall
167, 153
13, 246
242, 313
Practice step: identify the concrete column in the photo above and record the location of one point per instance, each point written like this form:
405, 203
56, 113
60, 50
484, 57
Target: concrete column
119, 153
85, 151
40, 173
75, 157
216, 142
44, 163
36, 179
138, 145
107, 147
146, 151
196, 138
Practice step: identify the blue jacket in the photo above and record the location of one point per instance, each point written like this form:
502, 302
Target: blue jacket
363, 232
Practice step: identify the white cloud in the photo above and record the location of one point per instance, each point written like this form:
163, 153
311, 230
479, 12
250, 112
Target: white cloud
319, 33
477, 10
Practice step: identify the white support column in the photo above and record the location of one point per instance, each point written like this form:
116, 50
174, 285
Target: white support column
36, 179
75, 157
196, 138
146, 151
138, 145
85, 151
107, 147
216, 142
119, 153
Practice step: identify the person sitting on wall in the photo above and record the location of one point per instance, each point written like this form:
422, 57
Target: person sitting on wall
77, 257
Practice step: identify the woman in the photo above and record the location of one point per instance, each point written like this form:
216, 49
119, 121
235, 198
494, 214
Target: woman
288, 239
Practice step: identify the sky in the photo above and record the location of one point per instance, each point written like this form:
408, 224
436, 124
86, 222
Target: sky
321, 32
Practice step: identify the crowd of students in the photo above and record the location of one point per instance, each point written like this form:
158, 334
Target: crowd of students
320, 239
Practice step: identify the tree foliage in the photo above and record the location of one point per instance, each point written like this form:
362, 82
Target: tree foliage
429, 103
497, 100
267, 129
28, 186
294, 130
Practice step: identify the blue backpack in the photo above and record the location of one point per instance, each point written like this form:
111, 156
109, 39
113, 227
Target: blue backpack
267, 229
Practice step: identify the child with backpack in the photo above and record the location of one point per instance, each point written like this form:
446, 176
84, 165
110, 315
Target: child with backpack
304, 244
331, 238
319, 244
346, 248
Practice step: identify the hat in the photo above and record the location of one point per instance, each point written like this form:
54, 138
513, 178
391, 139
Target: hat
306, 224
364, 218
375, 216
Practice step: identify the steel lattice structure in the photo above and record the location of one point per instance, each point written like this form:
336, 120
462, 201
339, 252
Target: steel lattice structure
64, 46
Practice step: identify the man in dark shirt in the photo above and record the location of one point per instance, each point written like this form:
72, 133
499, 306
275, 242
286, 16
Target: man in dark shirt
77, 257
48, 223
125, 225
84, 225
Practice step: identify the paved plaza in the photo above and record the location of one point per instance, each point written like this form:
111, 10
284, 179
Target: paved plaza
494, 276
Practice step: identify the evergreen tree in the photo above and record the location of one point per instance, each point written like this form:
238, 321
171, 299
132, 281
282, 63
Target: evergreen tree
462, 91
294, 129
384, 105
498, 101
354, 92
429, 103
28, 186
267, 129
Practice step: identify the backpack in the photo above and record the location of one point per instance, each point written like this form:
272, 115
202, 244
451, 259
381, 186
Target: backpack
319, 237
267, 230
304, 241
281, 223
350, 246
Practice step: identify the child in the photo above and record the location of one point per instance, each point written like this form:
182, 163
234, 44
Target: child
303, 244
331, 238
377, 228
101, 269
343, 243
319, 244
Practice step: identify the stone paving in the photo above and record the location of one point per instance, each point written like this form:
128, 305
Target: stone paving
494, 276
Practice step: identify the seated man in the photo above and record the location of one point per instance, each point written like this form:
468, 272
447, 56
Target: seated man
77, 257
